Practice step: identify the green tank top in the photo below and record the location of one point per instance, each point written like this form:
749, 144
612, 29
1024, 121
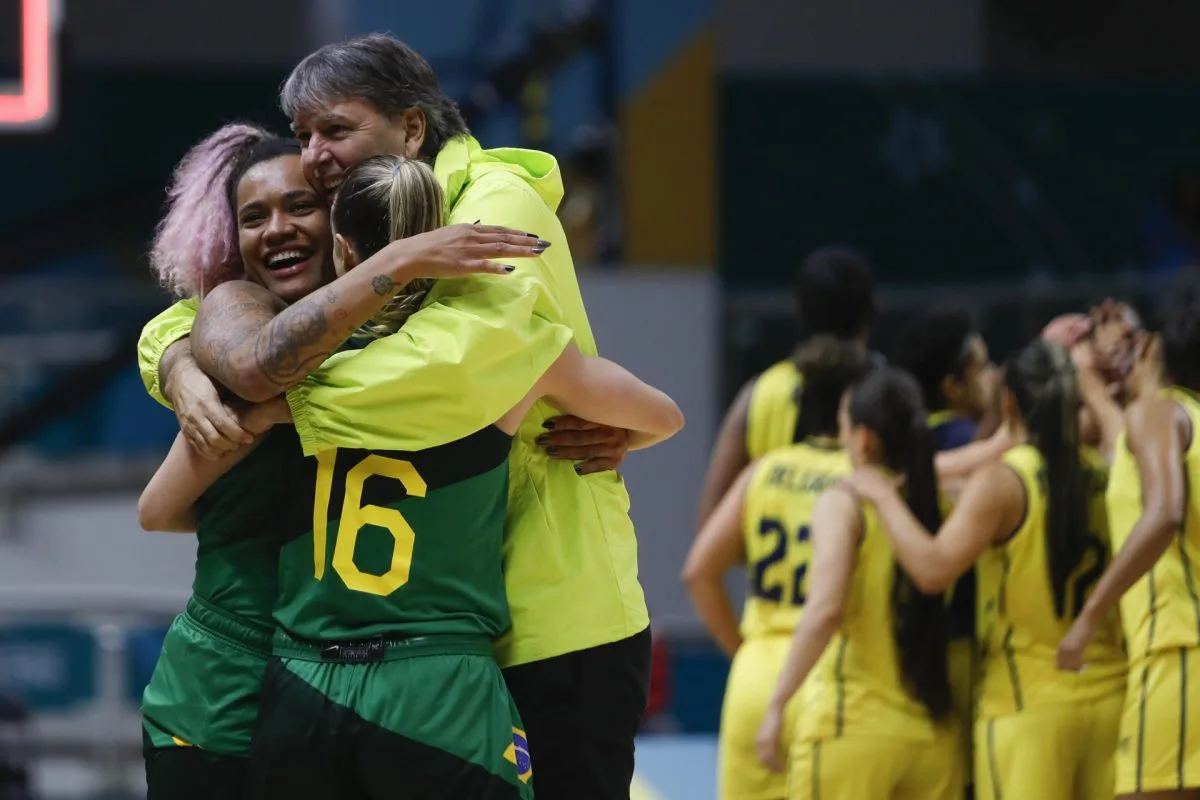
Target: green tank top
238, 531
399, 544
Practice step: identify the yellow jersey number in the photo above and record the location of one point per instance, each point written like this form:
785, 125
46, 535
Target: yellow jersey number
760, 588
355, 515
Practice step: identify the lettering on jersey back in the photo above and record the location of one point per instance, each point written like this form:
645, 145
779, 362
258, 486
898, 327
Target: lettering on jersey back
791, 479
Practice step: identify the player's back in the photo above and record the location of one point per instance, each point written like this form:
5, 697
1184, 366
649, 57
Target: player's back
778, 512
856, 687
1162, 610
238, 530
400, 544
1020, 627
773, 410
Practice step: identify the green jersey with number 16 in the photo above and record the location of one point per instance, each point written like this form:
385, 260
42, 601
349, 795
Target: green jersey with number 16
400, 544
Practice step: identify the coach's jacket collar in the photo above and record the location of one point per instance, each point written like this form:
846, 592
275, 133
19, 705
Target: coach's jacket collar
462, 161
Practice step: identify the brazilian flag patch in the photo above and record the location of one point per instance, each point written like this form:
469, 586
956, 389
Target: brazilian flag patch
518, 754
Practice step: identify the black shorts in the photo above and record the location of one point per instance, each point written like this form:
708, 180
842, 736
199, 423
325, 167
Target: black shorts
581, 712
189, 773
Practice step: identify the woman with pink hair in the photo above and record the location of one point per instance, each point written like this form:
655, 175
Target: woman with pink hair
239, 208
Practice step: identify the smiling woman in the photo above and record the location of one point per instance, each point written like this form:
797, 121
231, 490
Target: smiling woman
282, 223
239, 206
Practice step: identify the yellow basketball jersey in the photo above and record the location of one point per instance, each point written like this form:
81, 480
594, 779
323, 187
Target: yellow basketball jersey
771, 416
775, 519
1161, 611
856, 687
1019, 631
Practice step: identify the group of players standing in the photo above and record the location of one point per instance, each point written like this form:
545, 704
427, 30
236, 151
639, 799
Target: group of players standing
963, 579
416, 577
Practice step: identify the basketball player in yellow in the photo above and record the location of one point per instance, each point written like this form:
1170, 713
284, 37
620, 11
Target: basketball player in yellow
835, 296
1154, 508
764, 523
943, 349
877, 718
1035, 527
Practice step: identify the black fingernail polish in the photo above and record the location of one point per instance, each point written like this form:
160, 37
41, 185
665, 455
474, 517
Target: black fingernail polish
551, 451
578, 470
508, 268
537, 251
542, 440
548, 424
476, 222
543, 244
533, 236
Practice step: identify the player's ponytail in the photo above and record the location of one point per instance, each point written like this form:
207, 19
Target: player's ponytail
196, 243
1041, 378
382, 199
888, 402
828, 366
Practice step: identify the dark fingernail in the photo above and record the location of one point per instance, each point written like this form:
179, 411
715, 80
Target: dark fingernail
533, 236
548, 424
508, 268
542, 440
476, 222
578, 469
541, 246
551, 451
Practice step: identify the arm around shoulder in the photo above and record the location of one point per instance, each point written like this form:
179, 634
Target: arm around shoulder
231, 319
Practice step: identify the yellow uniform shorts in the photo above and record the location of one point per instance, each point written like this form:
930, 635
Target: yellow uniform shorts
1159, 746
869, 767
1048, 753
961, 663
752, 678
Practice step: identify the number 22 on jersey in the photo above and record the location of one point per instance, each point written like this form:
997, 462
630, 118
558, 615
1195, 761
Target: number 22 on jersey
774, 591
355, 516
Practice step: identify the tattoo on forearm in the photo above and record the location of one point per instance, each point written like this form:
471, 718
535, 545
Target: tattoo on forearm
383, 285
220, 331
283, 344
285, 354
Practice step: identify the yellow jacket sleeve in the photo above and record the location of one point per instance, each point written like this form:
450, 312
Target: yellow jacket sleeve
471, 353
458, 365
160, 333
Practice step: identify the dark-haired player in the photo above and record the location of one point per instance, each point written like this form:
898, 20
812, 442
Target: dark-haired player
763, 522
944, 351
870, 649
1154, 514
1033, 527
835, 295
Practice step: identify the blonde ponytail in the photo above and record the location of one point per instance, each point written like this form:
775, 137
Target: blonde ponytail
383, 199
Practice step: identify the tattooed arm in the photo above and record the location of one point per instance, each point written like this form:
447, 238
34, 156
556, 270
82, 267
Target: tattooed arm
248, 340
252, 342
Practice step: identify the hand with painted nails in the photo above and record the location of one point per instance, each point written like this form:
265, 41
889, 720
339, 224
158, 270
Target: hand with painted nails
457, 251
596, 447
